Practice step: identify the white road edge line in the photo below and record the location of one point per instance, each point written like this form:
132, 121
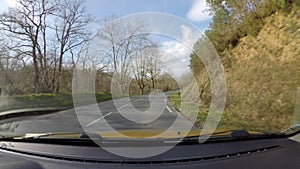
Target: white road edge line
123, 106
93, 122
129, 103
169, 109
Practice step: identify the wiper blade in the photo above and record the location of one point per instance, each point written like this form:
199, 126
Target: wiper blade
293, 130
86, 139
35, 136
63, 135
30, 111
70, 138
230, 135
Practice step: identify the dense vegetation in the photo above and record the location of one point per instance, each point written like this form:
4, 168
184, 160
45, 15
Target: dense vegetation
258, 42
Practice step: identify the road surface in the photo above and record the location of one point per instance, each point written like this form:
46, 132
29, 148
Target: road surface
109, 118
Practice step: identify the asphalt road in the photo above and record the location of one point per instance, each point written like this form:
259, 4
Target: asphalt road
133, 113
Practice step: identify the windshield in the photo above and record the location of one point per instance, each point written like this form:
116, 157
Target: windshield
148, 69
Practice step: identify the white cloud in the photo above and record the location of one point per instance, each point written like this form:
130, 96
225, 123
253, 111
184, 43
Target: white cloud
188, 37
175, 54
11, 3
5, 4
198, 12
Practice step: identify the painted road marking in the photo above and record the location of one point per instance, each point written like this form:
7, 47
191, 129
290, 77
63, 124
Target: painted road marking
169, 109
129, 103
93, 122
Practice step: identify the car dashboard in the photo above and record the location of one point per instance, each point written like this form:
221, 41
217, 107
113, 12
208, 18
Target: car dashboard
248, 154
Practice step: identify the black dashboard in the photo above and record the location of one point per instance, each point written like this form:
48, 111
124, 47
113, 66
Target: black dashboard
250, 154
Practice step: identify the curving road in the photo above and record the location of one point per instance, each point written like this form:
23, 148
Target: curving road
132, 113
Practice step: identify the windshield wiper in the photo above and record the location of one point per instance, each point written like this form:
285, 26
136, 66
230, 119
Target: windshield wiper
30, 111
293, 130
84, 139
228, 135
62, 135
66, 138
231, 135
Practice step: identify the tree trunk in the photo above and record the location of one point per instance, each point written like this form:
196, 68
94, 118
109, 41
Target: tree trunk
36, 71
57, 85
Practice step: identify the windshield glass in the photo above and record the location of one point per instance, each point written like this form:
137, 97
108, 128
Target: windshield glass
148, 69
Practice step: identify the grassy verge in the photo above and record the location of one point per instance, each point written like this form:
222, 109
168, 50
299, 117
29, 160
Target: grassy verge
44, 100
176, 100
229, 120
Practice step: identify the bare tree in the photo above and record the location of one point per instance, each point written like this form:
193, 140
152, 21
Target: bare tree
154, 65
139, 69
145, 66
24, 24
71, 30
120, 55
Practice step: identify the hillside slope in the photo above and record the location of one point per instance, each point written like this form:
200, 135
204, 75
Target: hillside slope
265, 75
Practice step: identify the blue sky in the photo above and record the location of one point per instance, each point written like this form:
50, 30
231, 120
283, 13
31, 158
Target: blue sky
175, 53
179, 8
191, 10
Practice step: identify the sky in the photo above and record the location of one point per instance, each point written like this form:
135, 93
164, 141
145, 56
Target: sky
193, 11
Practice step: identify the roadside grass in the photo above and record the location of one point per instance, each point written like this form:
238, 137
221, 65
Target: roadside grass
47, 100
188, 109
175, 99
233, 121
